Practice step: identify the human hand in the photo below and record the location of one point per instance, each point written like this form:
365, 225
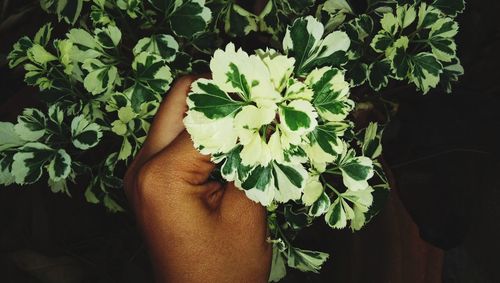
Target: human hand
196, 230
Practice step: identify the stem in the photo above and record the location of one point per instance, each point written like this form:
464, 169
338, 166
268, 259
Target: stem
333, 189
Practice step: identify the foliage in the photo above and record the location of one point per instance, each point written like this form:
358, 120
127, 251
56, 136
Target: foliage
281, 122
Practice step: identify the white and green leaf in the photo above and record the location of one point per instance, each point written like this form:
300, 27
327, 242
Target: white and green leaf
426, 71
305, 260
29, 162
84, 133
60, 166
101, 77
31, 125
9, 138
163, 45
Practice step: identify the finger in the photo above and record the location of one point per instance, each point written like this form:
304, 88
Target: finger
167, 124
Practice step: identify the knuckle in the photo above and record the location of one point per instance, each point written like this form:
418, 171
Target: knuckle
146, 177
154, 179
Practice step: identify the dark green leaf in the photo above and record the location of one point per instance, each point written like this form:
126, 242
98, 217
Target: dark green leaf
213, 102
259, 178
450, 7
378, 74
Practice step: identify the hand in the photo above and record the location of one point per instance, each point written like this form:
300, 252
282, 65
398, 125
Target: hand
196, 230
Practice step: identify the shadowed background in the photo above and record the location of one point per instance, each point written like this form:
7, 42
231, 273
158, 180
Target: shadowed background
443, 151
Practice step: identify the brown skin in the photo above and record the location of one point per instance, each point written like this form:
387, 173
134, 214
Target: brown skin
196, 230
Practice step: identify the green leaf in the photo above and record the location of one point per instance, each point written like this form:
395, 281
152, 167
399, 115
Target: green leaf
328, 136
42, 36
289, 181
229, 168
83, 38
333, 6
56, 114
320, 206
39, 55
209, 99
296, 218
108, 37
193, 12
101, 77
125, 149
31, 125
303, 42
238, 21
60, 166
356, 171
337, 11
111, 204
361, 201
37, 75
382, 41
19, 53
451, 71
357, 73
445, 27
443, 48
85, 134
28, 164
99, 15
336, 217
359, 29
389, 23
163, 45
305, 260
298, 7
450, 7
427, 16
152, 71
182, 63
238, 80
59, 186
6, 160
400, 61
426, 71
131, 6
67, 10
65, 48
372, 141
295, 119
8, 136
406, 15
330, 94
206, 42
259, 178
89, 194
378, 74
278, 268
269, 19
312, 190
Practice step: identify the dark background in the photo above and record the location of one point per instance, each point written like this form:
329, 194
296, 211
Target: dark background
443, 150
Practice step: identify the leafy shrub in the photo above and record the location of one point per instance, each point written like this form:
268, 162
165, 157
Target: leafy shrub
288, 133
